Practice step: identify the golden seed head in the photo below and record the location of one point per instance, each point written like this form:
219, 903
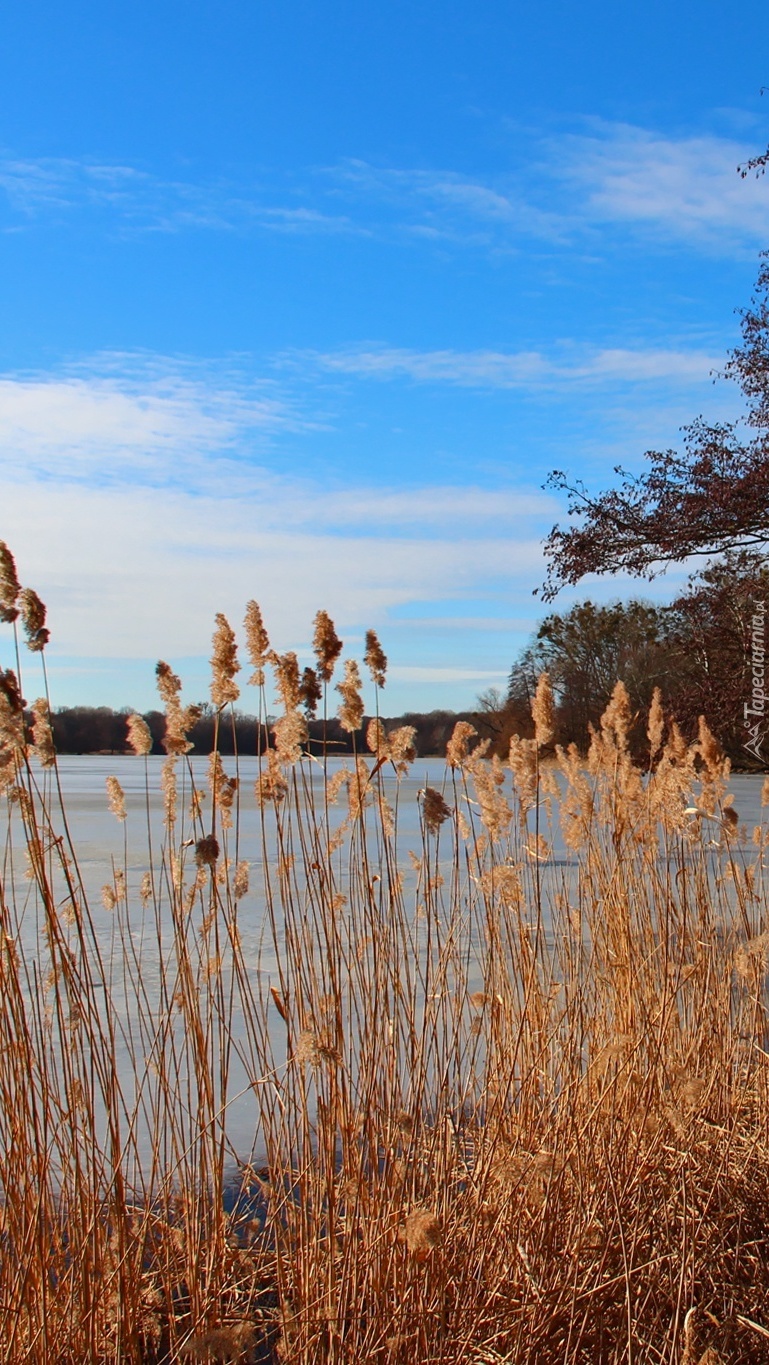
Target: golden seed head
287, 679
271, 784
42, 736
33, 620
523, 762
108, 897
676, 750
240, 881
376, 739
310, 691
656, 727
307, 1049
179, 721
375, 659
457, 749
224, 664
290, 734
617, 717
257, 642
10, 691
139, 737
543, 712
169, 684
710, 749
207, 851
336, 781
116, 798
9, 585
434, 809
359, 793
351, 710
326, 644
402, 747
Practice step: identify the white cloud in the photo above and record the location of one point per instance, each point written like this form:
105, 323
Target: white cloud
524, 369
681, 187
130, 419
151, 423
142, 573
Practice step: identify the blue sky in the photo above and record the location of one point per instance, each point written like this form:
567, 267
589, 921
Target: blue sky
302, 302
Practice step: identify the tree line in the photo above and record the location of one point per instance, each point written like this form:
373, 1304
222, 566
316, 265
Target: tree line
99, 729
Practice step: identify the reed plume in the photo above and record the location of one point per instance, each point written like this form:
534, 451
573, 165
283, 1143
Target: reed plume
139, 736
351, 709
257, 643
402, 747
326, 644
434, 809
290, 733
42, 735
179, 719
458, 748
9, 585
310, 691
33, 614
224, 664
375, 659
656, 727
116, 798
543, 712
288, 680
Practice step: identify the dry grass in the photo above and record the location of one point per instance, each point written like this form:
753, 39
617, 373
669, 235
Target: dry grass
509, 1109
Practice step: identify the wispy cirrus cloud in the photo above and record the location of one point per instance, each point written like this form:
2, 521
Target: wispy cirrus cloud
446, 205
559, 191
151, 422
132, 199
132, 418
523, 369
686, 188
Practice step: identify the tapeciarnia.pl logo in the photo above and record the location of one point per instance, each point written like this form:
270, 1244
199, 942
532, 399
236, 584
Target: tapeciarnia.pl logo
755, 709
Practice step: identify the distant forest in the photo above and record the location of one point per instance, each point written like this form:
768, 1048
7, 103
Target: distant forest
98, 729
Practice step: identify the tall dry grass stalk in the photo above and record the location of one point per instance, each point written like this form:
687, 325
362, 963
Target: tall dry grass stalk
509, 1107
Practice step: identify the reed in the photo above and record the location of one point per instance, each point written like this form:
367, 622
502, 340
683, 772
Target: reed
507, 1107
